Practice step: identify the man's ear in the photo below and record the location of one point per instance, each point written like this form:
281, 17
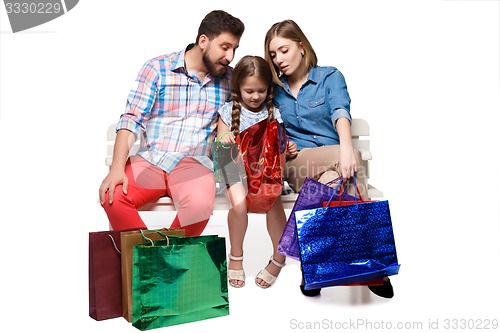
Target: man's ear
203, 41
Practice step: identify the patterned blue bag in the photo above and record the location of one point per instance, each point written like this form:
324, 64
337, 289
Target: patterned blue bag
312, 195
346, 244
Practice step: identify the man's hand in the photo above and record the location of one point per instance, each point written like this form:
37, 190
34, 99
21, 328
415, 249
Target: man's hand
109, 184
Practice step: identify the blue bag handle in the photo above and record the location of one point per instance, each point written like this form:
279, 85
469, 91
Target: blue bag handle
335, 190
334, 180
356, 191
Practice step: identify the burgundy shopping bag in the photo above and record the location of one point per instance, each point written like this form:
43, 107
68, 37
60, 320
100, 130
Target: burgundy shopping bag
105, 279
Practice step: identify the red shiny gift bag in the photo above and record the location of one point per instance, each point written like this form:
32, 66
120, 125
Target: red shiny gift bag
260, 147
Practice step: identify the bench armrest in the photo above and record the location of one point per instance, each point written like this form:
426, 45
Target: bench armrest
366, 155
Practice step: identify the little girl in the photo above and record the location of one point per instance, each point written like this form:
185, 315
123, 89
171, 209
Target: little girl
252, 95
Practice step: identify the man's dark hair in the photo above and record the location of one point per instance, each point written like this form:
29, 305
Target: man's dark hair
217, 22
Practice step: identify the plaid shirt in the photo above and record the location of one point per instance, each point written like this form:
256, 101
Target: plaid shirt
173, 113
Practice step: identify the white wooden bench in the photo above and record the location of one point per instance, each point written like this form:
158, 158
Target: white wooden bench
360, 137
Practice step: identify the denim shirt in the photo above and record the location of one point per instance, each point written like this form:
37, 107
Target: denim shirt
310, 118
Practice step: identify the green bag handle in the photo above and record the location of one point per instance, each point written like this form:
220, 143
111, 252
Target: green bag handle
221, 135
150, 240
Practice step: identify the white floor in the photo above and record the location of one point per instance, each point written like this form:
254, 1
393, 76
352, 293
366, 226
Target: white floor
428, 295
425, 74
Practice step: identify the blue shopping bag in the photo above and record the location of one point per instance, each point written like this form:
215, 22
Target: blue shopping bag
312, 195
346, 244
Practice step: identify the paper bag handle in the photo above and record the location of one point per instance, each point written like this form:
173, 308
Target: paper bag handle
114, 244
150, 240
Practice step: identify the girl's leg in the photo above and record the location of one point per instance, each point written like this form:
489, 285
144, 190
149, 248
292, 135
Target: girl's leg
276, 222
237, 221
146, 183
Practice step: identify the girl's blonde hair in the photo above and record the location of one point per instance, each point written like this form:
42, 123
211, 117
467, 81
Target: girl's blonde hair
290, 30
250, 66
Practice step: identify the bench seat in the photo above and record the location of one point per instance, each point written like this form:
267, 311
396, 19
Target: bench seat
360, 137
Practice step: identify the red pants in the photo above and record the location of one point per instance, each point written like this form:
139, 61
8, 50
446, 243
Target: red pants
190, 185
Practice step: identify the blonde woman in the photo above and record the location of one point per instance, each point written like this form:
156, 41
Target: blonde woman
315, 108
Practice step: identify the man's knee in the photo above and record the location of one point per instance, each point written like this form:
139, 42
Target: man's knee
195, 206
121, 203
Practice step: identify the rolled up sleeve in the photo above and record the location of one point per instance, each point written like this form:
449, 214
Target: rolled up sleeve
339, 99
140, 100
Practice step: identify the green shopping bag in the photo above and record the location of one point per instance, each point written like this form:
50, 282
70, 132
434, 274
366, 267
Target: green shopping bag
228, 164
179, 280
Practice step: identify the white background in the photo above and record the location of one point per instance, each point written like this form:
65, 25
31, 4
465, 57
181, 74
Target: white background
425, 74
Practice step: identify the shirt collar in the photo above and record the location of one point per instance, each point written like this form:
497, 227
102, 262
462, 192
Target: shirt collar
180, 61
180, 64
313, 76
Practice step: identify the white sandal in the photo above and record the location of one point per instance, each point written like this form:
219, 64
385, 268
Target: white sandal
236, 274
268, 277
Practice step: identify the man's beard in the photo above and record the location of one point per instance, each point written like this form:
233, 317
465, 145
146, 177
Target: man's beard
211, 67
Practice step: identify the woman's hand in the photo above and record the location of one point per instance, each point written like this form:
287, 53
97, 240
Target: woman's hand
291, 150
347, 165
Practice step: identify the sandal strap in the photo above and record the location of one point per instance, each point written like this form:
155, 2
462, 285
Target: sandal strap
277, 263
236, 274
266, 277
230, 256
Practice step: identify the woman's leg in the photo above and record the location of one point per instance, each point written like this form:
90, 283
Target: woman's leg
146, 183
321, 164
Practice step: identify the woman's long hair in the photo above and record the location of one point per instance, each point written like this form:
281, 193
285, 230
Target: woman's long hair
290, 30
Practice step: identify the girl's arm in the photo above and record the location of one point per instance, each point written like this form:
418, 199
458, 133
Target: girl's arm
224, 133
